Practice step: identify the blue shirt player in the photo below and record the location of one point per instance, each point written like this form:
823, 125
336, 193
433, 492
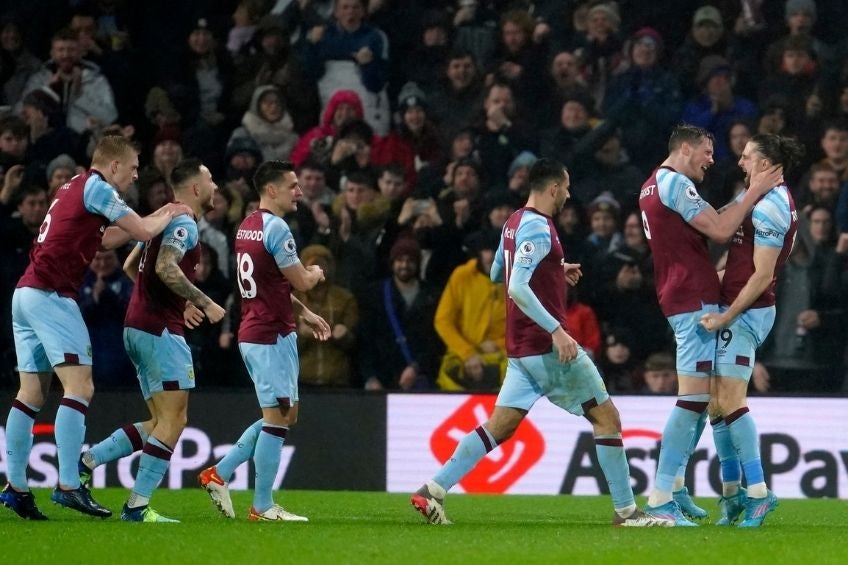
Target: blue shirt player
758, 251
49, 331
543, 359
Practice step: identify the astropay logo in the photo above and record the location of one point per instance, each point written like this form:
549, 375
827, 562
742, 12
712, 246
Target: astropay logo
502, 466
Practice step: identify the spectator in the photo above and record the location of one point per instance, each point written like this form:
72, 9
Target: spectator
415, 142
574, 140
317, 196
572, 230
344, 107
822, 189
795, 80
268, 122
519, 60
804, 352
351, 152
268, 60
706, 38
458, 98
16, 62
84, 95
153, 191
722, 178
431, 53
17, 235
167, 150
14, 141
610, 171
645, 101
401, 350
60, 171
327, 363
104, 297
501, 136
800, 18
599, 48
563, 83
660, 374
212, 360
475, 27
616, 364
351, 55
48, 136
471, 320
518, 176
583, 324
460, 212
717, 108
624, 298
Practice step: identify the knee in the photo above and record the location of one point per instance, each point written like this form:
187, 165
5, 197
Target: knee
83, 389
607, 423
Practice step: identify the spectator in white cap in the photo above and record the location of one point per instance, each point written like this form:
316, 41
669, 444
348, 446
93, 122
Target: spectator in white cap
706, 37
59, 171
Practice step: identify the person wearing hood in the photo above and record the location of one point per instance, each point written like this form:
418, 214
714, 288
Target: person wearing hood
351, 54
315, 144
415, 142
471, 321
327, 363
85, 96
270, 125
645, 101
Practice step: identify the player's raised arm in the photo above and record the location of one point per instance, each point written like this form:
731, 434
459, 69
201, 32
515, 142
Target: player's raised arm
133, 226
721, 227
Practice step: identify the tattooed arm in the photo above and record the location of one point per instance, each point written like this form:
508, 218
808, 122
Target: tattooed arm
168, 269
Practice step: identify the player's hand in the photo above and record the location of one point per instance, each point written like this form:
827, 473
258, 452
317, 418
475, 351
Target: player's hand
320, 327
809, 319
340, 331
316, 271
174, 209
565, 345
214, 313
765, 180
192, 315
713, 322
572, 273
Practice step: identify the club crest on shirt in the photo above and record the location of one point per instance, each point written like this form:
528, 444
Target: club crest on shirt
527, 248
692, 194
290, 246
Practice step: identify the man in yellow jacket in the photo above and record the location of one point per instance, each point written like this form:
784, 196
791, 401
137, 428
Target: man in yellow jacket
470, 319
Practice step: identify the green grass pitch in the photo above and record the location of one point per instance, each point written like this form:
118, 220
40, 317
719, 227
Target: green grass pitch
357, 527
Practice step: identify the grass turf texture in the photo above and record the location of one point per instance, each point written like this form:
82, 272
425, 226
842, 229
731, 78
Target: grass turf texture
356, 527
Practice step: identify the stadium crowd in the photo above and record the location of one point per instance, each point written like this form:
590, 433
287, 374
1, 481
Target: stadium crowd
412, 125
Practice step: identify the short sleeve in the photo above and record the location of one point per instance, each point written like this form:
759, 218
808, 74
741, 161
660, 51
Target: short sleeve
180, 234
279, 241
532, 243
101, 198
677, 192
771, 219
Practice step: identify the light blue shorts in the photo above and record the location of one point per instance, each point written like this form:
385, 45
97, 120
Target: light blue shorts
274, 369
48, 331
738, 343
696, 347
575, 386
163, 362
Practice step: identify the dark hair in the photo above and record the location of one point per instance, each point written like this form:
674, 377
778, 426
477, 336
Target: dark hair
460, 53
780, 150
364, 177
545, 171
313, 165
65, 34
185, 170
393, 168
357, 128
270, 172
29, 190
15, 125
836, 124
686, 133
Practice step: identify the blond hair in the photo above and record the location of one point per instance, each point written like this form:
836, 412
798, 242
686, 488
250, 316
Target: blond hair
111, 148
